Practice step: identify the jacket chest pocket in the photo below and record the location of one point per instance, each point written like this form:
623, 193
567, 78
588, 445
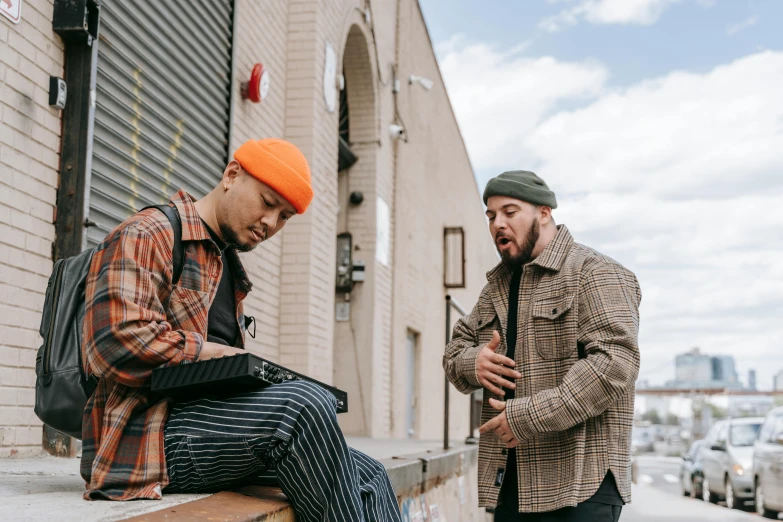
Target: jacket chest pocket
555, 327
188, 309
486, 325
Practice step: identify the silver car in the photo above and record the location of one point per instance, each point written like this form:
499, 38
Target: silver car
768, 466
727, 461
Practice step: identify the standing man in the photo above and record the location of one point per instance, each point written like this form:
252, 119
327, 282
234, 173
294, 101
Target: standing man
136, 446
553, 341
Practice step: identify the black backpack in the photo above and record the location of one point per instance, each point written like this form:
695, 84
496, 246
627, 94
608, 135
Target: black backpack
61, 386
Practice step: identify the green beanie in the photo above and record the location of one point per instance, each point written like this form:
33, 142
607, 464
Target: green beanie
523, 185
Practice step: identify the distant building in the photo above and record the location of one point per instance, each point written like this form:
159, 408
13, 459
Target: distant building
724, 369
778, 381
693, 367
751, 379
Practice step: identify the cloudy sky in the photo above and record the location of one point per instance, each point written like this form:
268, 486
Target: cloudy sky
659, 124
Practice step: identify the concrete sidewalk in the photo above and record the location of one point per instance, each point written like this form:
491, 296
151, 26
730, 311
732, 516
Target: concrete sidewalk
49, 488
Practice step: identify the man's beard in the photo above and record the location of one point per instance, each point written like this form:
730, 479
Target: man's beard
232, 239
525, 253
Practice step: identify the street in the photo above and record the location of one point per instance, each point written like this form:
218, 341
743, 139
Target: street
657, 497
660, 472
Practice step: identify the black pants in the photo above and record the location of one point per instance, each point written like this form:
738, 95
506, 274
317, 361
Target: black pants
286, 434
584, 512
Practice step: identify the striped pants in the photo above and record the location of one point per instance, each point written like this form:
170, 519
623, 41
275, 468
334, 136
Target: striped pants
286, 435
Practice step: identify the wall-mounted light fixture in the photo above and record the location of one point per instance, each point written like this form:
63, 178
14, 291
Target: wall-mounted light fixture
426, 83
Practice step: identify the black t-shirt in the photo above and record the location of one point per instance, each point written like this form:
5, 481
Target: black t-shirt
222, 324
509, 492
607, 492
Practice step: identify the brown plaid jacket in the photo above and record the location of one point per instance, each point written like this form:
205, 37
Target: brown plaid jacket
572, 416
135, 321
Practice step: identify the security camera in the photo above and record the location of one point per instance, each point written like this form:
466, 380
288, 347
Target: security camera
426, 83
396, 131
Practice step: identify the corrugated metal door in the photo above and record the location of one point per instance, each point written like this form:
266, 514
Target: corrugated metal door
163, 93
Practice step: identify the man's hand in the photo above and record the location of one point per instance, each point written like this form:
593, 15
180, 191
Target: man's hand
491, 367
214, 350
500, 425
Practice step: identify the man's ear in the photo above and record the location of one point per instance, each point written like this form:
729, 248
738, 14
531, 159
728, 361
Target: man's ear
232, 172
544, 215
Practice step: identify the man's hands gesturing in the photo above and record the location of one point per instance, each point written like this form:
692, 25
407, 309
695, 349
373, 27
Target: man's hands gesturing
500, 425
492, 368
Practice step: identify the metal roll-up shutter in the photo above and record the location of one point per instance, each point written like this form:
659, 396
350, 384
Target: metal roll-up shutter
162, 112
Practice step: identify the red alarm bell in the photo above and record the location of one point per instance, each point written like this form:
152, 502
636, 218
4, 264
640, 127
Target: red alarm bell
257, 87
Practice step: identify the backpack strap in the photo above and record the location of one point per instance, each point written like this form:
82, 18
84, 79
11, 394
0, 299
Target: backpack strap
179, 251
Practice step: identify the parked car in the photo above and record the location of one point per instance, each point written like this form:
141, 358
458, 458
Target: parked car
642, 440
727, 461
768, 466
691, 476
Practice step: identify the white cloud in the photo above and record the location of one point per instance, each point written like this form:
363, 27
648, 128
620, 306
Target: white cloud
639, 12
679, 177
745, 24
487, 86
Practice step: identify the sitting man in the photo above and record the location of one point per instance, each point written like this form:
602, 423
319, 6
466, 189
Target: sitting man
136, 446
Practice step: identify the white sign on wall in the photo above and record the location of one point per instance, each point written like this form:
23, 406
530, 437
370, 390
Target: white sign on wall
330, 75
382, 233
11, 9
342, 312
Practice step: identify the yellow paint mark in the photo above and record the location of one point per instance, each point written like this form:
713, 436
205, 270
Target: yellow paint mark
173, 151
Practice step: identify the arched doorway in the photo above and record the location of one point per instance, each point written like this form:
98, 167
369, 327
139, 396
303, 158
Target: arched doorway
354, 301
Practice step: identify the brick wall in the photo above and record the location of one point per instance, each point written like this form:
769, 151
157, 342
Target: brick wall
307, 324
29, 159
256, 121
426, 182
435, 188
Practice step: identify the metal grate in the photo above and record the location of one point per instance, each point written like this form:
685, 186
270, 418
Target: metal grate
162, 107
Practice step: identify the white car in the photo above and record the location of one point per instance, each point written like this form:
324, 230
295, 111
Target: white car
768, 466
727, 461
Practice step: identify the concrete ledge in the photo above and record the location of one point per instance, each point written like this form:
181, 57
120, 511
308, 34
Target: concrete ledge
406, 475
410, 475
49, 488
439, 465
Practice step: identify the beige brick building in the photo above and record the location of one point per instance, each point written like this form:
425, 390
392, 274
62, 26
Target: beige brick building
381, 341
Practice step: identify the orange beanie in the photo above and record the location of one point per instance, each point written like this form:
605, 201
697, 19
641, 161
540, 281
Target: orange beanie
280, 165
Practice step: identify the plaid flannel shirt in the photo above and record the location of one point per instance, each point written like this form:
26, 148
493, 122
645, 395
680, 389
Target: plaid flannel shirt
572, 416
135, 321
